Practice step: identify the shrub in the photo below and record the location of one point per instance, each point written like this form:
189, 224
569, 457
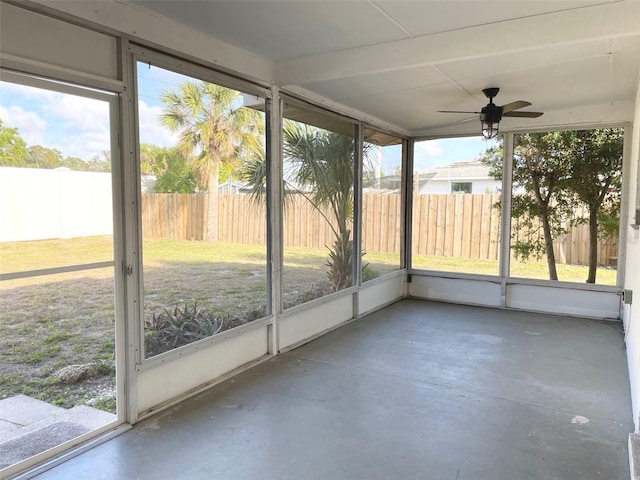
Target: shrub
169, 330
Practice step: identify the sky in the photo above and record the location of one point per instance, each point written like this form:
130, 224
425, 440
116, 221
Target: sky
79, 127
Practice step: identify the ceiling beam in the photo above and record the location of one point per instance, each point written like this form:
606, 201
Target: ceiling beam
585, 24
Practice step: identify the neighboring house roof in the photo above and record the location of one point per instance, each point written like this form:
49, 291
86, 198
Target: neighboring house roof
459, 171
468, 169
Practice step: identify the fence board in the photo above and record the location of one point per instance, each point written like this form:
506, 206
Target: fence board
432, 232
393, 232
476, 219
494, 241
450, 206
458, 222
460, 225
377, 215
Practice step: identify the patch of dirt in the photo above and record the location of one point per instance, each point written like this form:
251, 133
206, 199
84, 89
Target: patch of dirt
98, 389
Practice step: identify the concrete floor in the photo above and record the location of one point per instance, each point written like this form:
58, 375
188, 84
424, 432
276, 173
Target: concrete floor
418, 390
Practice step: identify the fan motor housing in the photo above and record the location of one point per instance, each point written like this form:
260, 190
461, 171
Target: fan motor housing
491, 114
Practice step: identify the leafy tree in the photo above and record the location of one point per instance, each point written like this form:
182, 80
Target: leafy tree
177, 176
319, 165
539, 174
151, 159
596, 180
13, 148
74, 163
228, 172
15, 153
174, 173
214, 130
553, 173
99, 163
43, 157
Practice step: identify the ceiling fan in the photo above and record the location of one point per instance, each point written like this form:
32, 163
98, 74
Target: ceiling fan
491, 114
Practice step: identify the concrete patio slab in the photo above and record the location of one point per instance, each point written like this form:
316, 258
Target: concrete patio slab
22, 410
416, 390
33, 443
29, 426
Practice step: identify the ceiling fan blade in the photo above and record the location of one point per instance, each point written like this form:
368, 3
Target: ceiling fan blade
454, 111
467, 120
509, 107
522, 114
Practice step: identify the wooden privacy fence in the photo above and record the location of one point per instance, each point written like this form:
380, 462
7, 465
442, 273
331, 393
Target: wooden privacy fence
177, 216
457, 225
468, 225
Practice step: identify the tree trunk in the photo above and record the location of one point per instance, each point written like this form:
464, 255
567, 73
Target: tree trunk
212, 211
548, 245
341, 262
593, 244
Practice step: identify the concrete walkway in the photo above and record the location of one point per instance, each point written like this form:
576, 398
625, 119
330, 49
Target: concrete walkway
29, 426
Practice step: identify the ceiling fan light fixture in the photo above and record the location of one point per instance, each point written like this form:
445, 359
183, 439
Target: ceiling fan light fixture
489, 129
490, 117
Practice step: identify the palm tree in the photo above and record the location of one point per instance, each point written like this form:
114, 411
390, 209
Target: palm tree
213, 129
319, 165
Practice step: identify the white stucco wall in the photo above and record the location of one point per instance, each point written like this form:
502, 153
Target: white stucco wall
444, 186
631, 313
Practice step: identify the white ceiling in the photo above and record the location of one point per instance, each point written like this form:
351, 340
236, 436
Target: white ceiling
401, 61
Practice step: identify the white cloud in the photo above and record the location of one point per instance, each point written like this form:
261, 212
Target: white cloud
30, 125
75, 125
150, 129
12, 90
427, 154
79, 113
83, 128
433, 153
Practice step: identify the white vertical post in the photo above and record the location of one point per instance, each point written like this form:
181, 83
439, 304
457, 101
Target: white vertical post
357, 214
505, 213
408, 183
275, 212
625, 205
132, 224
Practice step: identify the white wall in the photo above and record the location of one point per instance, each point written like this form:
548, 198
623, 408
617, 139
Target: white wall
444, 186
37, 204
631, 313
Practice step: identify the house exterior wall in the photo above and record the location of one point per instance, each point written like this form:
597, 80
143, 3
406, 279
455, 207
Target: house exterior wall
631, 313
444, 186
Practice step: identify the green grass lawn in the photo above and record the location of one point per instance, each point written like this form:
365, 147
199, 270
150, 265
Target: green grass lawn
532, 270
52, 321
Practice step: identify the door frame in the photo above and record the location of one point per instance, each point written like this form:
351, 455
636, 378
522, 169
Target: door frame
63, 451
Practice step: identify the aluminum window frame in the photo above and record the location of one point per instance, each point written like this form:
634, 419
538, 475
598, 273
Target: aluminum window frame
140, 54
